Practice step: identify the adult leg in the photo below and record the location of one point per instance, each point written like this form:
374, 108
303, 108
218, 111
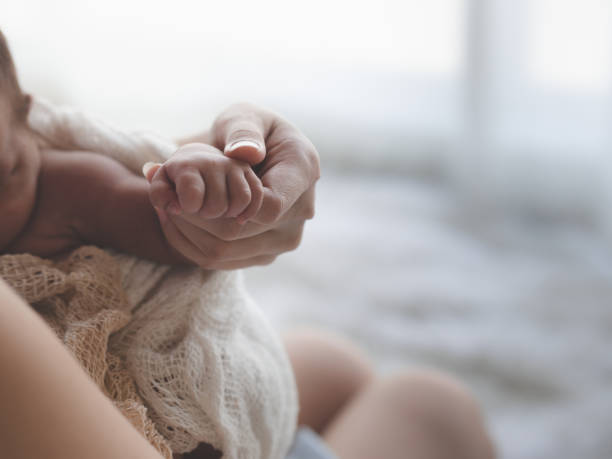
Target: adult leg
412, 414
329, 372
48, 406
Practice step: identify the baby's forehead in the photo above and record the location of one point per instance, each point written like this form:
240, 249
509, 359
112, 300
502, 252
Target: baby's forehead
9, 87
6, 115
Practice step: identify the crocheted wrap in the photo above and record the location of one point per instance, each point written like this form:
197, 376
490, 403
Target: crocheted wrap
180, 348
83, 301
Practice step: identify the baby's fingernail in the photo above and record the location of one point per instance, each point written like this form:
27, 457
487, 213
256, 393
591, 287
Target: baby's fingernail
146, 168
241, 220
174, 208
241, 143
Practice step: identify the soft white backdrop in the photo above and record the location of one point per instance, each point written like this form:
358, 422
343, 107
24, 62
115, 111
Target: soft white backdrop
441, 86
464, 213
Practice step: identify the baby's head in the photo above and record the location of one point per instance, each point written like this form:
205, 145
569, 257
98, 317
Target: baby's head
19, 153
15, 104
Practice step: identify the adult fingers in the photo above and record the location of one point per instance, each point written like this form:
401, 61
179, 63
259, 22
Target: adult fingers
291, 168
304, 207
207, 259
284, 184
261, 260
229, 229
272, 242
239, 132
180, 242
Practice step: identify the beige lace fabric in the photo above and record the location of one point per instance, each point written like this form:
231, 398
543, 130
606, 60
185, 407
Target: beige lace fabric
83, 301
198, 351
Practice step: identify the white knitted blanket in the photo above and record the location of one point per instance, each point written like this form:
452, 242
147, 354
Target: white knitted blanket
204, 357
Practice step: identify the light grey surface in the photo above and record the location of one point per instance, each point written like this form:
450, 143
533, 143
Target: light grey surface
517, 307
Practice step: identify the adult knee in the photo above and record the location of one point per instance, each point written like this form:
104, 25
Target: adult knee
443, 407
330, 371
330, 357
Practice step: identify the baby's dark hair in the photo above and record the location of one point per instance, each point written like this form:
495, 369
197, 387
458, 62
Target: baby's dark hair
9, 85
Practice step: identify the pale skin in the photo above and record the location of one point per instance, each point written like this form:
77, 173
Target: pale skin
356, 413
201, 182
288, 175
70, 418
52, 201
47, 197
412, 414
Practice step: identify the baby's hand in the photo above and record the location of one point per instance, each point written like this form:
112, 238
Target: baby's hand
199, 179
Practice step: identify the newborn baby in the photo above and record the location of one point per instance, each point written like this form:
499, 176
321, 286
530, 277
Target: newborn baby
238, 393
47, 195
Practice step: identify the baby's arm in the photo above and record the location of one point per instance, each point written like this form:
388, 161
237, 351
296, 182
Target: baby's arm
86, 198
199, 179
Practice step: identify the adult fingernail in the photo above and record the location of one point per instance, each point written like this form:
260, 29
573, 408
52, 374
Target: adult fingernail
241, 143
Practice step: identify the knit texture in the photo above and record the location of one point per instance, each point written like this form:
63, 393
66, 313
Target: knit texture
207, 361
200, 354
83, 301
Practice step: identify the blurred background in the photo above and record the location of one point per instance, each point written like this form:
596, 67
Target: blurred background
464, 216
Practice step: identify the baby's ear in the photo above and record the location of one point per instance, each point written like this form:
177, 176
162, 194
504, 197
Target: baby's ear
23, 109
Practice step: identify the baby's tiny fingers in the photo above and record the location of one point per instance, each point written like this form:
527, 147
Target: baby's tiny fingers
215, 201
257, 195
161, 192
149, 169
190, 189
239, 192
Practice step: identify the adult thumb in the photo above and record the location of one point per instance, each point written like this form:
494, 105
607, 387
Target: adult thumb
244, 140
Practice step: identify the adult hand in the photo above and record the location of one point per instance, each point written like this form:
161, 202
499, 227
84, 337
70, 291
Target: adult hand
289, 169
